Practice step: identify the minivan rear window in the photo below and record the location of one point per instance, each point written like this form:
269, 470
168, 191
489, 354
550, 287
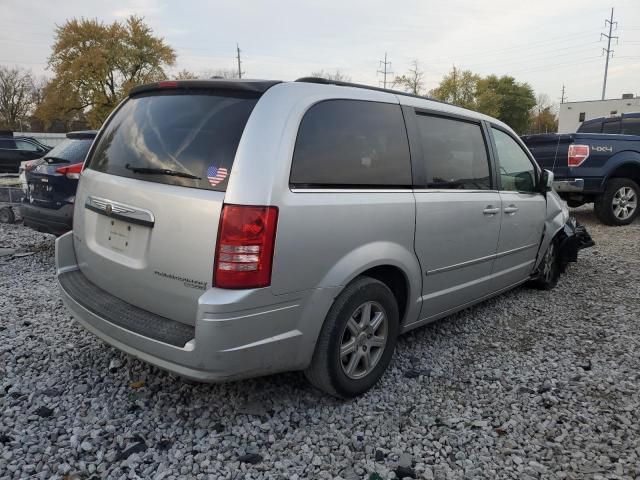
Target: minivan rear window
183, 133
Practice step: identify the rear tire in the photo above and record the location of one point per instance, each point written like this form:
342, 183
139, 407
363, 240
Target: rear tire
618, 205
550, 268
357, 340
7, 215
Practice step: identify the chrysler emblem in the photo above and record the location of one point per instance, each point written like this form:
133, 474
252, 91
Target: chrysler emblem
108, 208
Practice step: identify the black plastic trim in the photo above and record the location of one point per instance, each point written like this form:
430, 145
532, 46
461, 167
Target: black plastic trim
124, 315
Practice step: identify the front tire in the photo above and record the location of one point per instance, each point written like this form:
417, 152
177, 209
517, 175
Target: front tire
618, 205
7, 215
357, 340
550, 268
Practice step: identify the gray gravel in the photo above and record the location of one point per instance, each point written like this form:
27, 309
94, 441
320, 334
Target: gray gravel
528, 385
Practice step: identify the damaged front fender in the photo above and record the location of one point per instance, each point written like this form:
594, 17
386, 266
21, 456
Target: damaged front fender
574, 238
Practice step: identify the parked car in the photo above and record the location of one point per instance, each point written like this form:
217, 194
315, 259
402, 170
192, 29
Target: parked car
52, 182
625, 124
14, 150
230, 229
593, 167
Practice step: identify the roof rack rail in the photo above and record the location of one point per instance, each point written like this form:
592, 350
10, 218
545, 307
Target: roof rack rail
339, 83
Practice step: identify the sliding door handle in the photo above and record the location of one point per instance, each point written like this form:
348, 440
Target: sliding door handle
511, 209
490, 210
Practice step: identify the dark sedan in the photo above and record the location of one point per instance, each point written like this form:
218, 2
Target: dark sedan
52, 183
14, 150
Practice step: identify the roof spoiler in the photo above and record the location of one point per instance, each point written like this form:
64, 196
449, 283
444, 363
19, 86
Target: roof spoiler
249, 86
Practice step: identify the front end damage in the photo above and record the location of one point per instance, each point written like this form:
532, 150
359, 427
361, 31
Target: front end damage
574, 237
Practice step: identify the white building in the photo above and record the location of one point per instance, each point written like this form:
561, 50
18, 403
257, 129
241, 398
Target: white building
572, 114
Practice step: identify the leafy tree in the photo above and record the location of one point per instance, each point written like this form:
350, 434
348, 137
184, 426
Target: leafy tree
458, 87
412, 81
511, 100
543, 118
500, 97
336, 76
186, 75
96, 64
17, 89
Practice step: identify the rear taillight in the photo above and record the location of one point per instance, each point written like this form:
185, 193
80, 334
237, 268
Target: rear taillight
72, 171
28, 166
577, 155
246, 240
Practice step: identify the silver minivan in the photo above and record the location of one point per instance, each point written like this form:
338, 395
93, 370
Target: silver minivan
230, 229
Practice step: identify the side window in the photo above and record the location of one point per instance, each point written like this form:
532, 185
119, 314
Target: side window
631, 126
351, 143
28, 146
455, 154
611, 127
591, 127
517, 173
7, 143
581, 117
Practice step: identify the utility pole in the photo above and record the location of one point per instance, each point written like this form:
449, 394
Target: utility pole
239, 63
562, 98
608, 50
384, 65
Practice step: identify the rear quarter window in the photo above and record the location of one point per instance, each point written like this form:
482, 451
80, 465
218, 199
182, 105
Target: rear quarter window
590, 127
611, 127
351, 143
631, 126
195, 133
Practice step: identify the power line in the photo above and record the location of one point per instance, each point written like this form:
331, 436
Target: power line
546, 67
608, 50
383, 65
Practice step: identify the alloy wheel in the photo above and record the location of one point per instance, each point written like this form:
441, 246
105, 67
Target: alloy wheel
624, 203
363, 340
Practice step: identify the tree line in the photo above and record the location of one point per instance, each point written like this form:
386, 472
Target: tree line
95, 64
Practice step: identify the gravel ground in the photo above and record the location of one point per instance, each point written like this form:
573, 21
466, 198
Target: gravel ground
528, 385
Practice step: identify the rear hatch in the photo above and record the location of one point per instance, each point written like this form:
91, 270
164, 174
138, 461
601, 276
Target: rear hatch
48, 184
150, 197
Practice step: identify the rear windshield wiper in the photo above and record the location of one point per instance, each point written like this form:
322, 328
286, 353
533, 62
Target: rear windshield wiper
161, 171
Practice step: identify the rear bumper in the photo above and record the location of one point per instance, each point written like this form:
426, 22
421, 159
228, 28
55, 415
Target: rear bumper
570, 185
50, 220
237, 334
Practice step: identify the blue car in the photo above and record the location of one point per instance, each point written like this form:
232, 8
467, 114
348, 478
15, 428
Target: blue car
52, 182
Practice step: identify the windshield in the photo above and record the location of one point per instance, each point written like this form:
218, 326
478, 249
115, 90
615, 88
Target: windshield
175, 137
70, 150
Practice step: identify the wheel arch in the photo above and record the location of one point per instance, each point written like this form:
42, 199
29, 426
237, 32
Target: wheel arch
390, 263
626, 165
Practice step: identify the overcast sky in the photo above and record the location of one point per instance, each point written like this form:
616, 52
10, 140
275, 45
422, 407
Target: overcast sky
546, 43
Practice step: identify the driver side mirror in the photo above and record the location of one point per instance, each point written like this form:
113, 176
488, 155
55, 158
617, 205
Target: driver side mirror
546, 181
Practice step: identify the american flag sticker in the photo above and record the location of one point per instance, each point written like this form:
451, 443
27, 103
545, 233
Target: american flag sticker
215, 175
